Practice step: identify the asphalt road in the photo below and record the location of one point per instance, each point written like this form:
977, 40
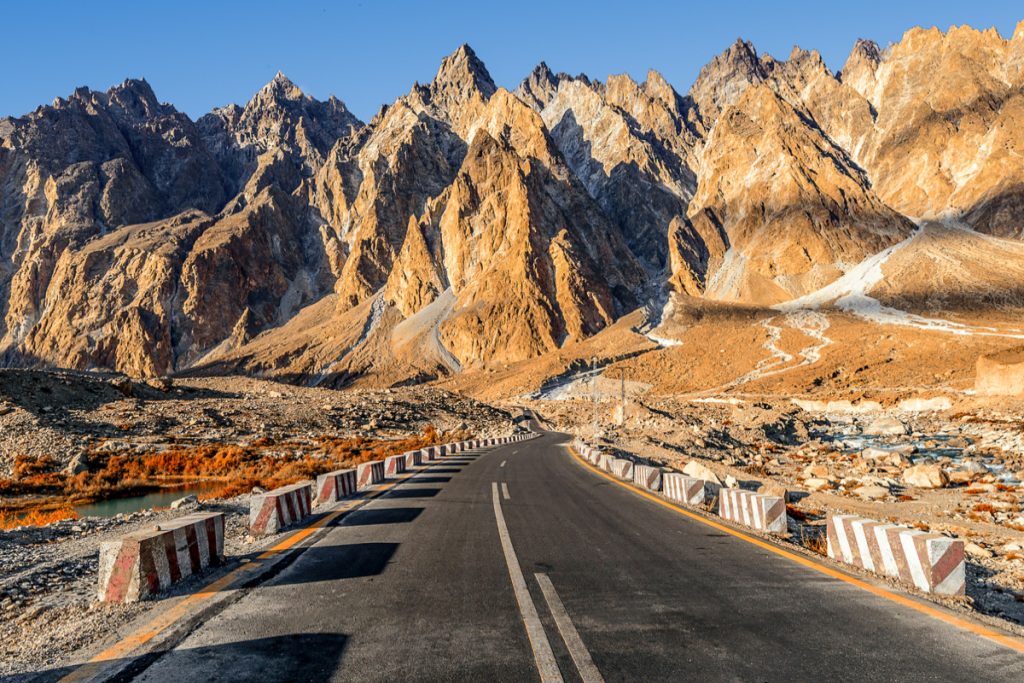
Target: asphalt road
507, 564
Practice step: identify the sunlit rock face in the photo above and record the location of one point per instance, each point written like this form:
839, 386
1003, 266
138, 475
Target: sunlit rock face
478, 226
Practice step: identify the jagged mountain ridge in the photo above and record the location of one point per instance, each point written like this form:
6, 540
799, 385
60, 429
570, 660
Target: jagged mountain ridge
466, 225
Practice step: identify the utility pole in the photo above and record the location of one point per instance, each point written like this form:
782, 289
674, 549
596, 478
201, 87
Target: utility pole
622, 397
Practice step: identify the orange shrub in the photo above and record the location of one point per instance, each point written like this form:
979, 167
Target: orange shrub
10, 520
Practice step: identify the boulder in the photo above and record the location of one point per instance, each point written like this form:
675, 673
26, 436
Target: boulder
79, 463
975, 550
872, 492
962, 476
818, 484
699, 471
183, 502
771, 488
1000, 374
815, 472
124, 386
163, 384
926, 477
886, 426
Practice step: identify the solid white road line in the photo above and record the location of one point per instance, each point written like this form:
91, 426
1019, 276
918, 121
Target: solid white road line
503, 463
573, 642
504, 491
542, 654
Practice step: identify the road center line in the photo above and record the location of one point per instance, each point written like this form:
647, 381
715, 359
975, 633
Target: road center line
504, 491
503, 463
573, 642
542, 654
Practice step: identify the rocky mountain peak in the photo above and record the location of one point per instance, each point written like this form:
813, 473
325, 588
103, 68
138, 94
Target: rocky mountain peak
135, 97
463, 70
281, 115
861, 65
539, 87
660, 89
724, 78
458, 92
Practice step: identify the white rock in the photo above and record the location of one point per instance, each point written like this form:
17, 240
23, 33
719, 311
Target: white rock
926, 477
699, 471
872, 492
975, 550
886, 426
182, 502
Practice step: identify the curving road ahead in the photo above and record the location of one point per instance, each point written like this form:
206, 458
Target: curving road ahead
520, 563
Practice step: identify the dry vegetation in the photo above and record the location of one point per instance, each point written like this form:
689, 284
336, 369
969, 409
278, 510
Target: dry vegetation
39, 491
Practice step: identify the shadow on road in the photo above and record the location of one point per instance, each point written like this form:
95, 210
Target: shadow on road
381, 516
294, 657
335, 562
410, 493
430, 480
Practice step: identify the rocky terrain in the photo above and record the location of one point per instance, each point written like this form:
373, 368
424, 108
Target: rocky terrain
78, 423
468, 227
801, 279
952, 471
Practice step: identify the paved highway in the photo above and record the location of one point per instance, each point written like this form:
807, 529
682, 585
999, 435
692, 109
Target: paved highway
520, 564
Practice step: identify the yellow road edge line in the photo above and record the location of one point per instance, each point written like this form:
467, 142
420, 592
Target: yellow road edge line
172, 614
1009, 641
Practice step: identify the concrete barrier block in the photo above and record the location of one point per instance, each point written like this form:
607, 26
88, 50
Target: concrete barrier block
146, 562
369, 473
334, 486
930, 562
761, 512
604, 461
274, 510
412, 459
647, 477
682, 489
622, 468
394, 465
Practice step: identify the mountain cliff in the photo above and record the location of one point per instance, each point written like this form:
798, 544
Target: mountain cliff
467, 226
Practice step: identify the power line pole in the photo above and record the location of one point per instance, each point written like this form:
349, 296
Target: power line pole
622, 397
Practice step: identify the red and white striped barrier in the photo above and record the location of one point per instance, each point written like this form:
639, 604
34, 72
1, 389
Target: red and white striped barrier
682, 489
334, 486
412, 459
144, 563
605, 462
647, 477
274, 510
764, 513
369, 473
930, 562
394, 465
622, 469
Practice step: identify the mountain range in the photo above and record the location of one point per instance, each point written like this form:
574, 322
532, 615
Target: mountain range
467, 226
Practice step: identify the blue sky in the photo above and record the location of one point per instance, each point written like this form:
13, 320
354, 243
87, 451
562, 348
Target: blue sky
201, 55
